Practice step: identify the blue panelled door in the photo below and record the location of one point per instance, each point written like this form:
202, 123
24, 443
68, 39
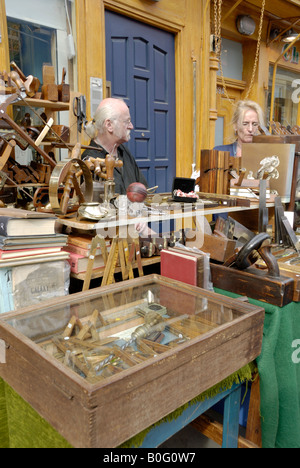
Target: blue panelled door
140, 65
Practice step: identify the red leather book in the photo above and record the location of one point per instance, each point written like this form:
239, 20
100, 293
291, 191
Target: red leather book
179, 266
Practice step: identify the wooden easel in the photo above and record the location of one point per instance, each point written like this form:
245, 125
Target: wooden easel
119, 250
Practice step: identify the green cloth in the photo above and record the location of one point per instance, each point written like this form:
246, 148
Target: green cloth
21, 426
4, 437
279, 371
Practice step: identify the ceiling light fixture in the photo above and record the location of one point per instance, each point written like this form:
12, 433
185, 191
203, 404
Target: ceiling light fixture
245, 25
289, 36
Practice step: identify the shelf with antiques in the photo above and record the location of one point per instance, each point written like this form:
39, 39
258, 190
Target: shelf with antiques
120, 227
243, 256
112, 361
29, 140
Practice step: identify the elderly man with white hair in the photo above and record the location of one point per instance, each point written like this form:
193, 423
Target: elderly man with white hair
109, 129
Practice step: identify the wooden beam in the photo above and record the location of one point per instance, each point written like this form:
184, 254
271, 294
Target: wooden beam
214, 431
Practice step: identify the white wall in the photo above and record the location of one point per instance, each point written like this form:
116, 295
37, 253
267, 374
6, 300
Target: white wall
49, 13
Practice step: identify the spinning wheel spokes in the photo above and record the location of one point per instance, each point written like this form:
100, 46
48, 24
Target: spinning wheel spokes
65, 175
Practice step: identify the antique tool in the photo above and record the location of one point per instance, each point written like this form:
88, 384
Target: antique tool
126, 266
128, 263
97, 165
263, 130
246, 256
263, 210
288, 263
22, 174
109, 185
135, 249
64, 174
92, 210
7, 137
240, 276
153, 322
79, 110
284, 233
94, 245
118, 250
31, 83
15, 77
240, 232
148, 248
49, 88
108, 275
3, 115
63, 88
6, 153
238, 182
241, 177
80, 347
214, 169
224, 200
3, 178
44, 132
6, 84
58, 134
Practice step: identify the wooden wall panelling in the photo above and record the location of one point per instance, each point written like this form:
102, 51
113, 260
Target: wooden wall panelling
90, 32
195, 49
4, 50
204, 86
189, 64
4, 53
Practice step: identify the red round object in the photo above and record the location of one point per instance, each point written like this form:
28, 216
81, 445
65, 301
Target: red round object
136, 192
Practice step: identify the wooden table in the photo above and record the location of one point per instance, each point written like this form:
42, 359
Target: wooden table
186, 217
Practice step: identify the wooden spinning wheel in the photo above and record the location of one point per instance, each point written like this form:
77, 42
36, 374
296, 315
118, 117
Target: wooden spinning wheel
65, 174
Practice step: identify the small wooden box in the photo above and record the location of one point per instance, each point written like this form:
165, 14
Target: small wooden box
219, 248
50, 92
206, 337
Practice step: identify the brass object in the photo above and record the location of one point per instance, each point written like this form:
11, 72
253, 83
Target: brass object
109, 191
92, 210
65, 173
109, 184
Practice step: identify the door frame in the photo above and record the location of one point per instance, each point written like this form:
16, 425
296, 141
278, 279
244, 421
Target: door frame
168, 26
159, 168
191, 48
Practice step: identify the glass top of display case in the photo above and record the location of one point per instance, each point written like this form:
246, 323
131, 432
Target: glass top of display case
105, 331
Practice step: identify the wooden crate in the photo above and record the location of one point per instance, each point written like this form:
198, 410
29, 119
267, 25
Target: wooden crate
220, 336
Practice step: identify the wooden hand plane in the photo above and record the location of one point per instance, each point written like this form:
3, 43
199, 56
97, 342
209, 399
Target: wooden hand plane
240, 276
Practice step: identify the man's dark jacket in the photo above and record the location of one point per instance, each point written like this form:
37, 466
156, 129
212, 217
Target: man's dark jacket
123, 176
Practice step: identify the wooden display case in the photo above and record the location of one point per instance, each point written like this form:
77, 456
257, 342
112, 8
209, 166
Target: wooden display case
104, 364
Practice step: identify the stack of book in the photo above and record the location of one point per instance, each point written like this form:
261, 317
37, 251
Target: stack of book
33, 265
29, 237
183, 265
78, 247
